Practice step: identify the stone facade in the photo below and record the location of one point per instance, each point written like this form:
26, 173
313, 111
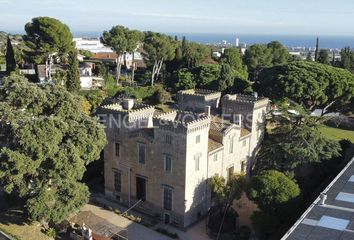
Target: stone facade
166, 159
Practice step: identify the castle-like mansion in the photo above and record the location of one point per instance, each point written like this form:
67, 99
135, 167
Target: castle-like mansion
164, 160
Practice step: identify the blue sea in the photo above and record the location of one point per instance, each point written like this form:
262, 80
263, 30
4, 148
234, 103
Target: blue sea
330, 42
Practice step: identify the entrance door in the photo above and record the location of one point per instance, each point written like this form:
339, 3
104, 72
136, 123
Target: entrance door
141, 188
167, 218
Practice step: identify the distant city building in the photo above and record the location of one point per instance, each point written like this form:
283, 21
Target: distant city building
162, 161
93, 45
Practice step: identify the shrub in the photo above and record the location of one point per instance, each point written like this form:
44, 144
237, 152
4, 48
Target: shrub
50, 232
167, 233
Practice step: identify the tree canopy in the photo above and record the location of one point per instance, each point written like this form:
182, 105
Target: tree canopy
45, 36
259, 56
308, 83
290, 146
159, 48
46, 141
270, 188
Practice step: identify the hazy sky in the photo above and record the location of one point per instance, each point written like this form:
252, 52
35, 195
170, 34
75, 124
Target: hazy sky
315, 17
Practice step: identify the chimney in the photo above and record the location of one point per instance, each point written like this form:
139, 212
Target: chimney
128, 103
323, 198
207, 110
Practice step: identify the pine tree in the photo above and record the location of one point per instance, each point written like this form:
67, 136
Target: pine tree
317, 49
226, 77
10, 57
73, 82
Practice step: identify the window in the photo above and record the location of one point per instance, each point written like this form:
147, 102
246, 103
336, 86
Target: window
215, 158
168, 139
141, 188
117, 181
168, 163
230, 173
141, 153
117, 149
244, 143
231, 149
197, 139
196, 161
243, 167
167, 198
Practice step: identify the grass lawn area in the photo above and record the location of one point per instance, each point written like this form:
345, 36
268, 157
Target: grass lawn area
13, 223
337, 133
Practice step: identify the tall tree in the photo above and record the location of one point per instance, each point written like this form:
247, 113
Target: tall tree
257, 57
292, 145
311, 84
323, 56
10, 57
118, 38
233, 57
347, 59
317, 49
46, 36
73, 73
227, 79
46, 141
158, 48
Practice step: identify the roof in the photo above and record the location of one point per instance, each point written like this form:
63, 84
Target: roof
244, 132
333, 219
107, 56
213, 145
219, 124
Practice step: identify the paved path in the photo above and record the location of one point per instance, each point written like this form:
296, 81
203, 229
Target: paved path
135, 231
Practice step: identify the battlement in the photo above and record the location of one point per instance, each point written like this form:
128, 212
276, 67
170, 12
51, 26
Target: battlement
131, 110
243, 99
201, 93
181, 120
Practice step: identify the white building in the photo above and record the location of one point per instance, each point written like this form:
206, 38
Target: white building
93, 45
163, 162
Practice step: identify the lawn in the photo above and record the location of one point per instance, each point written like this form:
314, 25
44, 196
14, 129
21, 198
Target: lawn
337, 133
13, 223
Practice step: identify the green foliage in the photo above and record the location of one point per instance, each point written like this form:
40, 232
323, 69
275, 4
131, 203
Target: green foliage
291, 146
323, 56
311, 84
347, 59
194, 54
50, 232
10, 57
270, 188
73, 77
86, 53
233, 57
185, 79
60, 77
47, 140
159, 47
45, 36
94, 97
122, 39
207, 75
226, 78
259, 56
226, 193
